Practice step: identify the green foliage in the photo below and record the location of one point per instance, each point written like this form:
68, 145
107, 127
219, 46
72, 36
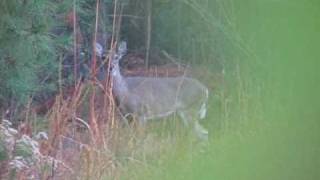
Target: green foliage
3, 151
24, 150
27, 53
34, 37
196, 31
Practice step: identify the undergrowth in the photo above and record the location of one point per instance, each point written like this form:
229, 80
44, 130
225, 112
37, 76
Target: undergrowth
87, 136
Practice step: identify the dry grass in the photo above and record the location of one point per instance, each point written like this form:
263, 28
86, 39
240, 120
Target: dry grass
87, 134
92, 140
118, 147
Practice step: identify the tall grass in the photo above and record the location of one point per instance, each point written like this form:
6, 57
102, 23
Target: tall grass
263, 106
264, 113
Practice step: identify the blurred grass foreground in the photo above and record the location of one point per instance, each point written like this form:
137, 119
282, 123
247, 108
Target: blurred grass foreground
282, 139
260, 60
276, 44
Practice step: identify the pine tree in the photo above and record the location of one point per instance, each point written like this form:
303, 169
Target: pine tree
27, 52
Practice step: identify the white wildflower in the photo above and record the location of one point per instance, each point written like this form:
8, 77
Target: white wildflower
6, 123
18, 163
12, 131
42, 136
99, 49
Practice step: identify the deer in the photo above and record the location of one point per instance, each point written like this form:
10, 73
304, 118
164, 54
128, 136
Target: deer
147, 98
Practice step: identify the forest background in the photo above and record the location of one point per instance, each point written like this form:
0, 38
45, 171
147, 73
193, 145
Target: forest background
259, 59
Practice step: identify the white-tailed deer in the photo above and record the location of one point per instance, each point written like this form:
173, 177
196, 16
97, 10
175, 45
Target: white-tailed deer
158, 97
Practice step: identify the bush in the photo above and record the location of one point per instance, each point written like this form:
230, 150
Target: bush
27, 51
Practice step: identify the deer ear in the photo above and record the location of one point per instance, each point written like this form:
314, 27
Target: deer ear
122, 48
99, 49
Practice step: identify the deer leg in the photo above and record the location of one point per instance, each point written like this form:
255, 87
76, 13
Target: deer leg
200, 131
142, 120
203, 111
185, 119
125, 119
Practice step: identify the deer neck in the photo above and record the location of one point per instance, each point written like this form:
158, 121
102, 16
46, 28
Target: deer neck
120, 87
